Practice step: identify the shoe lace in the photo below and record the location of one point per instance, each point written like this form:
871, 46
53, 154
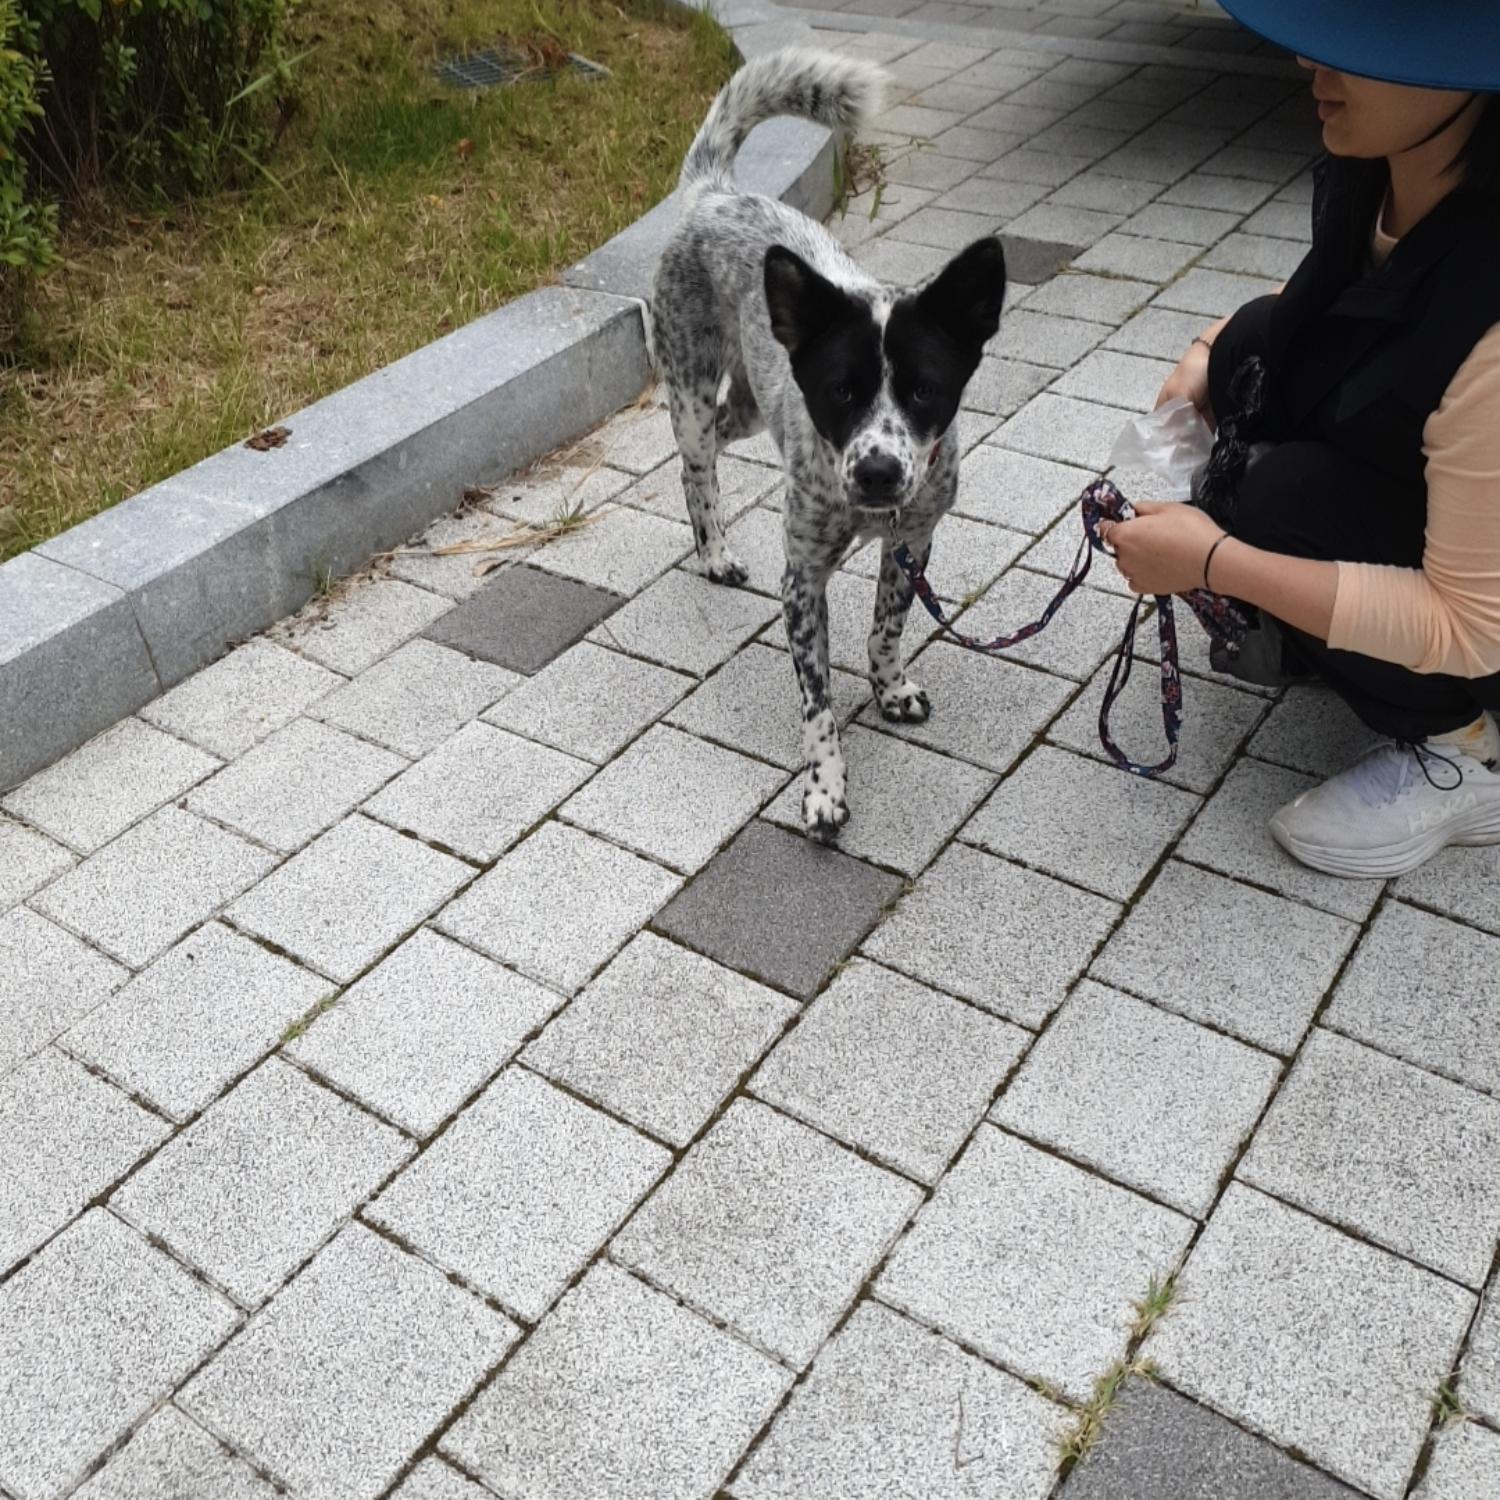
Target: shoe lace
1387, 770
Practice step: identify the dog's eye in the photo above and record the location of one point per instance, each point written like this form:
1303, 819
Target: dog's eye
922, 393
842, 394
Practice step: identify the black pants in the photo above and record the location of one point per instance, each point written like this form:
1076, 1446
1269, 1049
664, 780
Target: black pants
1309, 499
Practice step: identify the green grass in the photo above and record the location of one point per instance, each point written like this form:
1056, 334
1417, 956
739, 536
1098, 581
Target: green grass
399, 211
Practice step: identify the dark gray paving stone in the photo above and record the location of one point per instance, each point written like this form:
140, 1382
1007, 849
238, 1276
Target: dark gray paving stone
524, 618
1035, 261
1156, 1443
781, 907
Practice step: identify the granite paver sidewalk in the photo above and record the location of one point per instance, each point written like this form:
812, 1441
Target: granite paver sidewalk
432, 1065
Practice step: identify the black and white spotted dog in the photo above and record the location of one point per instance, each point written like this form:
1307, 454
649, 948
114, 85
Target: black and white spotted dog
858, 382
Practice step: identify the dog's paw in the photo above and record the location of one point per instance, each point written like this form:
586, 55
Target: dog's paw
720, 565
824, 812
905, 703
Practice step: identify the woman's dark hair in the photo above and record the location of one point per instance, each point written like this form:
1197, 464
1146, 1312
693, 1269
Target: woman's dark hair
1479, 158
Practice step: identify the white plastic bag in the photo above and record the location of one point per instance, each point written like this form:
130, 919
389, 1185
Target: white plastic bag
1170, 443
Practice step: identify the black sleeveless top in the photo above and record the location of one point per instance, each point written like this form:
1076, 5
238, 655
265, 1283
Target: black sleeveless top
1360, 356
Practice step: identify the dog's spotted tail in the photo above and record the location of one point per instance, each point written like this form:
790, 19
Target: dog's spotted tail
835, 91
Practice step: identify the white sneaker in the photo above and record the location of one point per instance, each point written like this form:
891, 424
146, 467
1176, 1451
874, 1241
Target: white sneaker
1394, 808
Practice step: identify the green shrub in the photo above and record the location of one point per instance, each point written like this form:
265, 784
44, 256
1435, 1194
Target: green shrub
159, 96
28, 223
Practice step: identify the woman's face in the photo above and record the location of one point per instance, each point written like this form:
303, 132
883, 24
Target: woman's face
1362, 117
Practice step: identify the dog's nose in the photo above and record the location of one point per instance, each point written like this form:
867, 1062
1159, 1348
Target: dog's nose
877, 475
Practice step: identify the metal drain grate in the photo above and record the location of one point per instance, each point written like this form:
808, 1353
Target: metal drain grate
500, 67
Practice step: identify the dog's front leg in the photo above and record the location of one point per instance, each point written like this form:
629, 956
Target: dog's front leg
804, 603
900, 699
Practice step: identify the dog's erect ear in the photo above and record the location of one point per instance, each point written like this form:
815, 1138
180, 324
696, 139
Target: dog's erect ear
966, 296
802, 303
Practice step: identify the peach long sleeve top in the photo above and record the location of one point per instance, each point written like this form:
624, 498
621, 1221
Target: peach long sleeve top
1445, 615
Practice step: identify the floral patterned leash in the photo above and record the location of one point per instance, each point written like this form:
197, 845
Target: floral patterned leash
1219, 616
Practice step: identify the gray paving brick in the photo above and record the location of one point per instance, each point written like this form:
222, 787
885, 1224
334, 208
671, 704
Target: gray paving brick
686, 622
589, 702
913, 120
478, 792
241, 698
1105, 193
48, 980
1312, 1339
660, 492
876, 1418
1115, 379
1288, 221
524, 617
639, 440
1479, 1379
171, 1456
559, 905
1032, 1262
1157, 333
1215, 721
93, 1333
253, 1187
1465, 1465
986, 710
456, 553
64, 1138
521, 1192
969, 909
338, 1380
1129, 255
757, 541
946, 228
138, 895
560, 489
1015, 489
977, 144
1063, 429
347, 897
202, 1014
900, 262
418, 696
996, 200
1157, 1443
905, 801
28, 861
929, 169
769, 1226
1256, 255
1231, 836
661, 1037
1188, 944
1460, 882
747, 909
97, 792
1089, 631
432, 1479
1213, 294
673, 797
422, 1031
291, 786
1273, 167
1151, 1100
594, 1401
1103, 299
1236, 195
1181, 224
360, 626
1044, 339
1414, 1166
1079, 227
1083, 821
1055, 553
753, 705
891, 1067
1312, 729
1001, 387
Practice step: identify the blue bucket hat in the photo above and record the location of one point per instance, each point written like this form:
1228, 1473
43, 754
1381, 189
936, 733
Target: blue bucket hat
1444, 44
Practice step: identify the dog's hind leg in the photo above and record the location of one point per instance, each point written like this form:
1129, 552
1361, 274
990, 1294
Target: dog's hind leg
900, 698
738, 415
692, 394
805, 609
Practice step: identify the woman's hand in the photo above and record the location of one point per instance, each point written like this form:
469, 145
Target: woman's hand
1162, 551
1189, 380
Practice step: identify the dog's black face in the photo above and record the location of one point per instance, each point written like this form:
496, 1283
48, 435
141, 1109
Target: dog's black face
883, 378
